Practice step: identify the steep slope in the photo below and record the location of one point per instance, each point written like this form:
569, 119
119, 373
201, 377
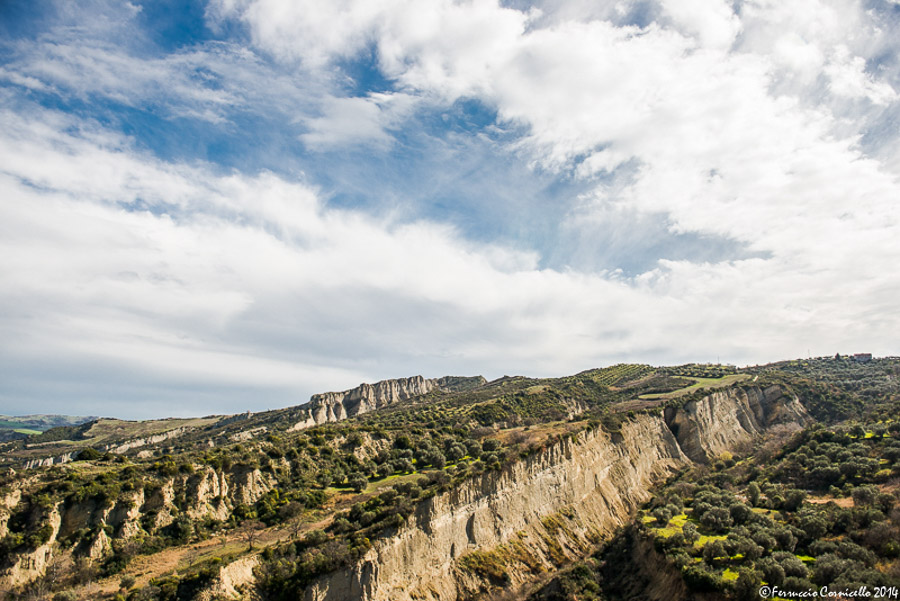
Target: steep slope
93, 519
484, 491
725, 419
501, 530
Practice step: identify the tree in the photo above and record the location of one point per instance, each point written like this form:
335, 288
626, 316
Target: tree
437, 460
753, 493
662, 515
491, 444
288, 512
324, 478
885, 502
712, 550
794, 499
786, 540
690, 532
865, 495
772, 571
747, 585
314, 538
473, 449
403, 465
793, 567
739, 512
814, 526
717, 518
250, 531
84, 570
358, 482
88, 454
126, 582
456, 452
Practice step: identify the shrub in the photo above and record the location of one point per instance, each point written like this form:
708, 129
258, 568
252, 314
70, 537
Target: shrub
88, 454
358, 482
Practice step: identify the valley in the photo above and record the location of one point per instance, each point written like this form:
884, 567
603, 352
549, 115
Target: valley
456, 488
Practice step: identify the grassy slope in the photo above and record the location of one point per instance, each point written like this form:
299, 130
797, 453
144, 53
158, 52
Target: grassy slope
705, 383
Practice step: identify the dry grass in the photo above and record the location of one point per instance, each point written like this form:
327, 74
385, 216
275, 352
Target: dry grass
839, 501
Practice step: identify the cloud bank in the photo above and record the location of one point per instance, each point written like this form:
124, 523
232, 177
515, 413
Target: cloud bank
292, 234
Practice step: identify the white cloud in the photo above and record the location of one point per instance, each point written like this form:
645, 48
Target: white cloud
251, 281
743, 126
311, 31
849, 78
737, 143
357, 120
713, 22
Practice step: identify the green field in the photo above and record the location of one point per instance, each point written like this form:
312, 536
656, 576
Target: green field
18, 427
698, 384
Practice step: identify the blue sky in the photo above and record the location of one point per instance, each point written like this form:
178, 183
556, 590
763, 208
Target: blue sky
209, 207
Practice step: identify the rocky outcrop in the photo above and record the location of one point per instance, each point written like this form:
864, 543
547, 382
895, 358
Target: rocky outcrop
118, 447
205, 493
48, 461
125, 515
86, 514
633, 569
539, 513
336, 406
122, 447
8, 502
25, 567
248, 486
725, 419
554, 504
250, 434
557, 503
232, 581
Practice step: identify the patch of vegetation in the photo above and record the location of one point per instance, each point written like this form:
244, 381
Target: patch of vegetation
824, 510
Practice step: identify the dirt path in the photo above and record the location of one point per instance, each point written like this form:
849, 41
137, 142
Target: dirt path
839, 501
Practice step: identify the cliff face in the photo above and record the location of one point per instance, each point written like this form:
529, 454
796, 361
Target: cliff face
48, 461
28, 566
205, 493
548, 508
731, 417
336, 406
539, 513
555, 504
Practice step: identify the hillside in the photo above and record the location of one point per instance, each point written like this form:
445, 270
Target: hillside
16, 427
455, 488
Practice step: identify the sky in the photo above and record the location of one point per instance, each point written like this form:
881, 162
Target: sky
221, 206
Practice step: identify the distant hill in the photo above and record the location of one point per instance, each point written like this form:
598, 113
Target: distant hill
13, 427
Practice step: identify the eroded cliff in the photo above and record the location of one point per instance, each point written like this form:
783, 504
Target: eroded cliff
728, 418
94, 522
549, 508
497, 532
336, 406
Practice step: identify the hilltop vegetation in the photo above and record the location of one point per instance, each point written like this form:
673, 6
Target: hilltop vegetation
799, 511
307, 501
